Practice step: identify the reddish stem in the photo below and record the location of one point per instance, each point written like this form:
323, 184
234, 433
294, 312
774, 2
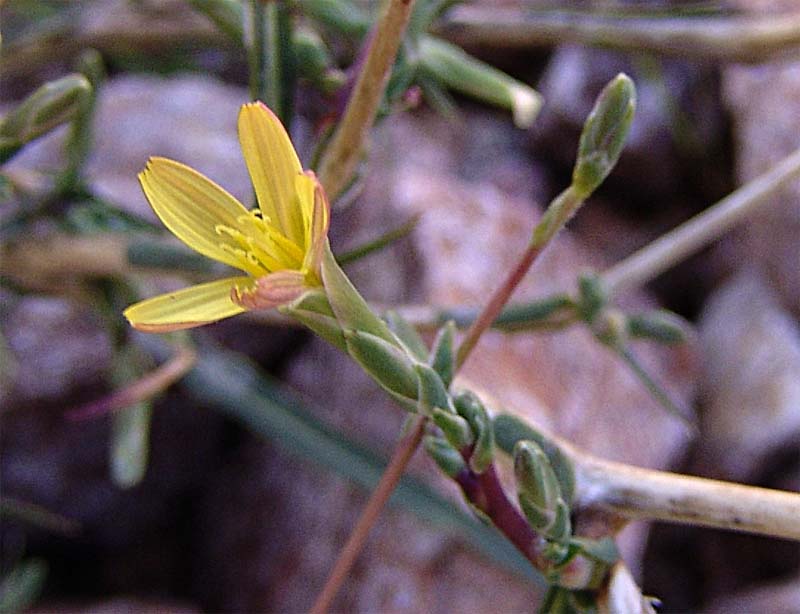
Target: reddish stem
391, 476
496, 304
486, 493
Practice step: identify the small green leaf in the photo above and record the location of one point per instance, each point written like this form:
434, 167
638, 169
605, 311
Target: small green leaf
470, 407
660, 325
432, 392
446, 457
347, 304
456, 430
130, 444
312, 310
442, 357
22, 586
388, 365
603, 550
407, 334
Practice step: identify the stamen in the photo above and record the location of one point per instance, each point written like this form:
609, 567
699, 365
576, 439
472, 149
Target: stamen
247, 260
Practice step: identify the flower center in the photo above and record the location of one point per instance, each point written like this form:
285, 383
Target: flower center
259, 246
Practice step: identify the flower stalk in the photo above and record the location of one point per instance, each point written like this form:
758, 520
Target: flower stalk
601, 143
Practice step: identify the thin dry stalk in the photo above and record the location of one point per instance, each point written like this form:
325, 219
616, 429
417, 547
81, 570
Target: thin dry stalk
671, 248
342, 155
730, 38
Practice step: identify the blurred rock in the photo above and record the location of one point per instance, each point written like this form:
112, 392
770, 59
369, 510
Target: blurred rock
751, 385
189, 118
55, 347
150, 35
119, 605
129, 539
764, 101
776, 598
678, 122
274, 526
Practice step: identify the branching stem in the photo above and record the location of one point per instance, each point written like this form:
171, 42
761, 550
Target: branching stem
633, 492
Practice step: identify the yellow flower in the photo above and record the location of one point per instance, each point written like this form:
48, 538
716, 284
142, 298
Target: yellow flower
279, 245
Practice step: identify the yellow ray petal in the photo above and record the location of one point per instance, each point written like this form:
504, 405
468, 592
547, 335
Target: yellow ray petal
273, 165
304, 186
192, 206
318, 229
190, 307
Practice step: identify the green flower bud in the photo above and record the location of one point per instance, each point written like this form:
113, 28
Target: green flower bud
448, 458
660, 325
539, 518
451, 66
442, 357
51, 105
537, 486
509, 430
604, 134
562, 526
469, 406
388, 365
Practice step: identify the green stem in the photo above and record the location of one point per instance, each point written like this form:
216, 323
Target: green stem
379, 242
270, 56
79, 141
654, 388
495, 305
